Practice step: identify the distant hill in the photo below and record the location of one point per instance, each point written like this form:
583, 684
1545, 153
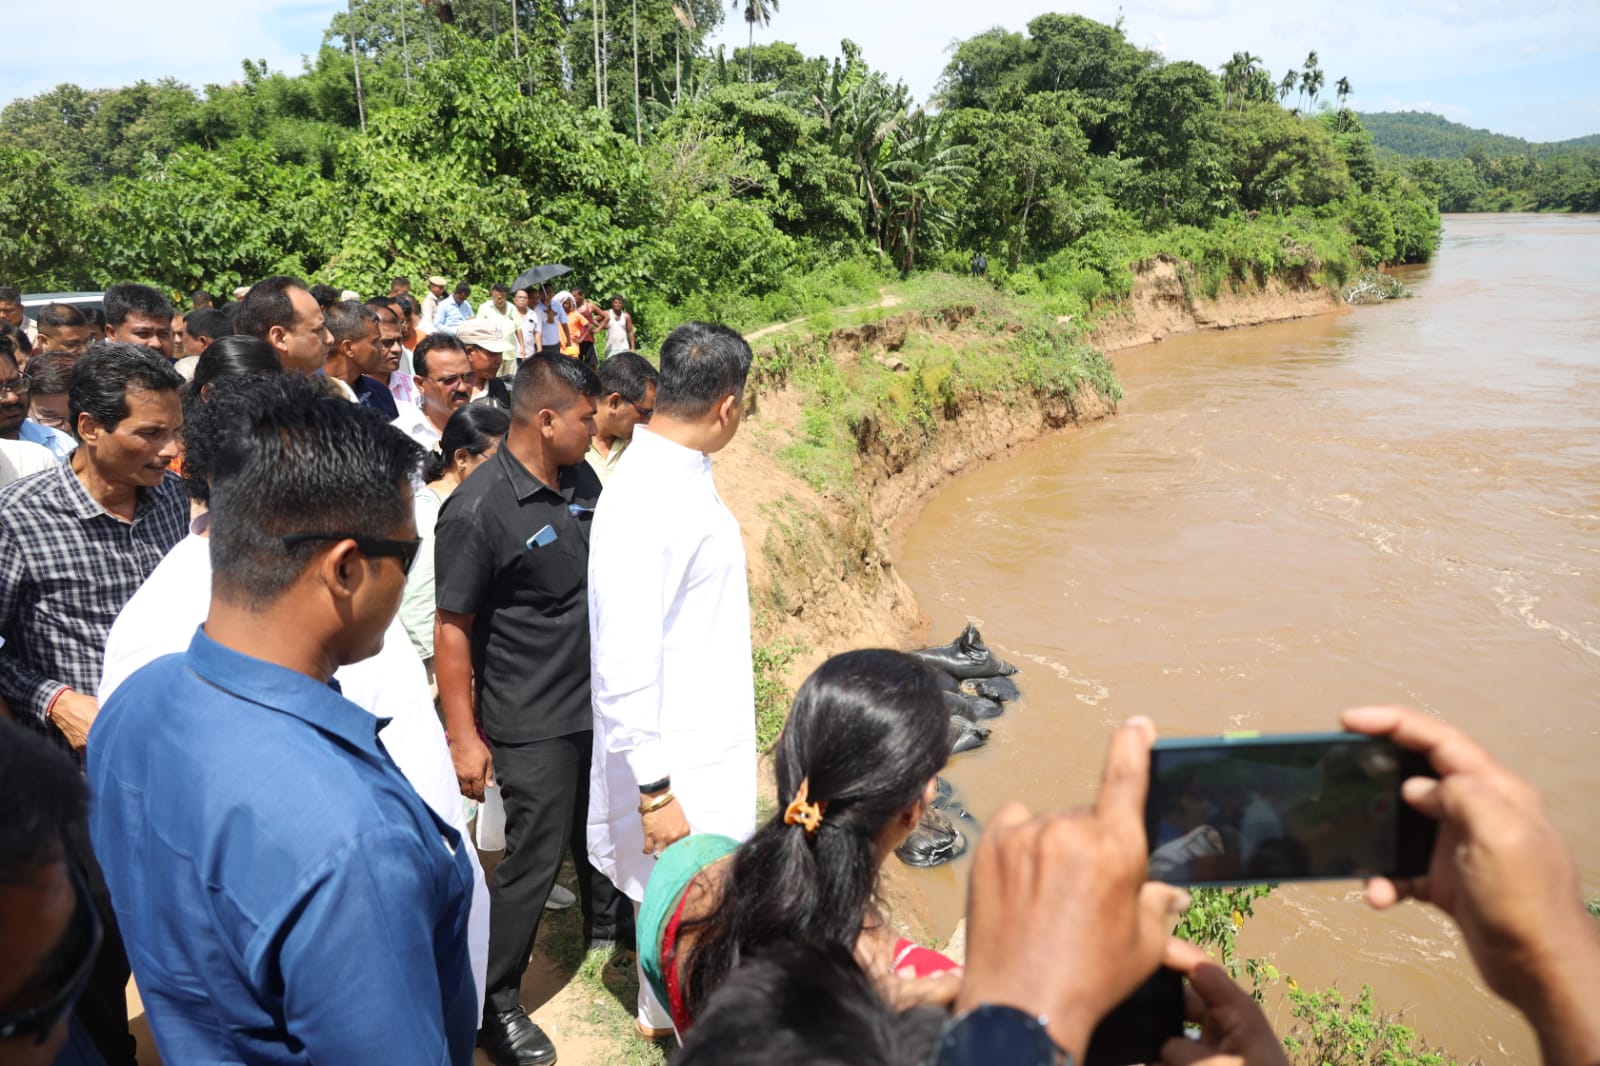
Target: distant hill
1422, 135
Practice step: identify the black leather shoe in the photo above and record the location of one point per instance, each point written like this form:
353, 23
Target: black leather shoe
511, 1039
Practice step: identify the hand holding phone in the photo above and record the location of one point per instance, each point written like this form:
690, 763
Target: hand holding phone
1503, 872
1060, 920
1247, 808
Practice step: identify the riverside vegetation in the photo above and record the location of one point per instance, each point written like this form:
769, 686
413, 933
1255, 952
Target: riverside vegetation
747, 189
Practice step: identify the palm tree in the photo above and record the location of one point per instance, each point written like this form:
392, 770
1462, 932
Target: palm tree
755, 11
1286, 86
1237, 74
594, 17
1342, 87
1311, 83
685, 16
1310, 68
638, 133
350, 41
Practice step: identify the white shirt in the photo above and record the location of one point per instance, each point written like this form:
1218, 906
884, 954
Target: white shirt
414, 424
19, 458
174, 600
542, 328
669, 627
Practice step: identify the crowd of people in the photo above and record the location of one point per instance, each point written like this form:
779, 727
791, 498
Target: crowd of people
276, 620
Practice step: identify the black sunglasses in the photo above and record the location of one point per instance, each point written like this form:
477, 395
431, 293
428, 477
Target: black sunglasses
69, 967
404, 550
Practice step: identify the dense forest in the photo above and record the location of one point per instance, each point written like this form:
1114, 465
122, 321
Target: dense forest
477, 138
1475, 170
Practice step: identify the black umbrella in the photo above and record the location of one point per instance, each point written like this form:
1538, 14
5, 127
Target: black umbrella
539, 275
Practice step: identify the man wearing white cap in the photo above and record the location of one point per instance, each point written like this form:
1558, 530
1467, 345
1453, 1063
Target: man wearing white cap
437, 287
486, 349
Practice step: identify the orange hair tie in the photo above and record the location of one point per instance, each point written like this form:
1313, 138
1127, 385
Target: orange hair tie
800, 812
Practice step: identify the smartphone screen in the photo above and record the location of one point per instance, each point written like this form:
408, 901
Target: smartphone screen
1250, 808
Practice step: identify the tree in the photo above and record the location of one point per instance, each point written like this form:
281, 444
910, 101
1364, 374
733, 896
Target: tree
1282, 160
1237, 75
1026, 163
924, 176
1286, 86
755, 11
1310, 74
355, 62
1342, 88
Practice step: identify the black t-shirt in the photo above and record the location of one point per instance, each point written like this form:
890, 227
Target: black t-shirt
530, 600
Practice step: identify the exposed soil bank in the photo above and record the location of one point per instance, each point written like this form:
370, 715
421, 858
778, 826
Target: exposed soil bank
1161, 306
822, 572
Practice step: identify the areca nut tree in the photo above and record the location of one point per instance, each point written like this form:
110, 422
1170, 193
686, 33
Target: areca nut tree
754, 11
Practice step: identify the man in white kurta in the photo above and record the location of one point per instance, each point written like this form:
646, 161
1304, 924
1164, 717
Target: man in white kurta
669, 623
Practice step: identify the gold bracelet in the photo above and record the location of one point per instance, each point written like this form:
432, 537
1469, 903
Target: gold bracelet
656, 804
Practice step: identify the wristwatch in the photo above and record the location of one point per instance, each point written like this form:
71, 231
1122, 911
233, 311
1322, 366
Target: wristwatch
992, 1035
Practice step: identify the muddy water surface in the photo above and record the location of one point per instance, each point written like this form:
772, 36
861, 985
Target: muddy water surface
1401, 503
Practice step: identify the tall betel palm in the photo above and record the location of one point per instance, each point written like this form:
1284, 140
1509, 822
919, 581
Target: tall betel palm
755, 11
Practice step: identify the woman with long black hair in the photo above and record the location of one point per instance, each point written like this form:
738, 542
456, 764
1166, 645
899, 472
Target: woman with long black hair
855, 769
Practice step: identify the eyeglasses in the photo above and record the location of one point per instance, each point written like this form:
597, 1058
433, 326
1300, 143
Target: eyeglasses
17, 385
70, 965
404, 550
452, 379
644, 412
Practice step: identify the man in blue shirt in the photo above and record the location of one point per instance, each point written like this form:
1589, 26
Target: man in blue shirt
284, 894
454, 312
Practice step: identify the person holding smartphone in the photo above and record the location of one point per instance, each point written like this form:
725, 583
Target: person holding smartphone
1062, 922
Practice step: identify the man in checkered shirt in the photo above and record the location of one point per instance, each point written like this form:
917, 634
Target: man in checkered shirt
80, 539
76, 542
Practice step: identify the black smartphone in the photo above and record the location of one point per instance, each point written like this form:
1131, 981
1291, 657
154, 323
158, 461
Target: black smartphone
1247, 808
1137, 1027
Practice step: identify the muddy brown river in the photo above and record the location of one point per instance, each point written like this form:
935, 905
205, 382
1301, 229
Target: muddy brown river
1397, 504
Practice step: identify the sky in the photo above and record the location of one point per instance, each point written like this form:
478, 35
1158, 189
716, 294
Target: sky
1529, 70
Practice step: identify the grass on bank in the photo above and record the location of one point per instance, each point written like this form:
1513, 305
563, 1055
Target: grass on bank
964, 341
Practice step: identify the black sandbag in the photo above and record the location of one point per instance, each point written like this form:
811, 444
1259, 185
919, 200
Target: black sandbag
982, 707
942, 790
999, 689
966, 656
965, 735
956, 705
955, 810
934, 841
942, 680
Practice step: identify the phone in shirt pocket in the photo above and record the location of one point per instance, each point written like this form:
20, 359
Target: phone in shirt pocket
542, 539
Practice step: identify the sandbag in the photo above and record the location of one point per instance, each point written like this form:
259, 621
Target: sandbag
965, 735
999, 689
966, 656
943, 681
983, 708
947, 801
956, 706
934, 841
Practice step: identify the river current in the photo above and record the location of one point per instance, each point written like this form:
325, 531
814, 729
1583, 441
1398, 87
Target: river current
1396, 504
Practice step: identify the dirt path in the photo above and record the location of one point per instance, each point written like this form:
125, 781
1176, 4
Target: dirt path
888, 299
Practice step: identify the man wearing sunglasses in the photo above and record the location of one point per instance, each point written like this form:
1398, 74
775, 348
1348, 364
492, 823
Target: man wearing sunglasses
50, 932
627, 399
241, 798
445, 380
